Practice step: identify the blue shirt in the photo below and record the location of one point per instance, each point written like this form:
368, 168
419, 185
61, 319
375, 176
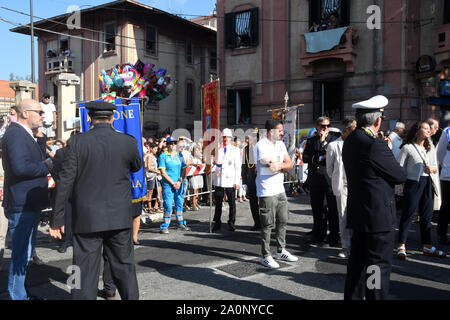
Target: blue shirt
173, 166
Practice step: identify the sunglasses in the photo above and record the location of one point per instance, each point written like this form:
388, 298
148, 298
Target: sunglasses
41, 113
325, 125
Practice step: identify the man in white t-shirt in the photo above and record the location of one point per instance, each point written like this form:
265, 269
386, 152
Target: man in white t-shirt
49, 127
272, 159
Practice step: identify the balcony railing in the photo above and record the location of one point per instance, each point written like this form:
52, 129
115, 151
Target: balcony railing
344, 50
442, 44
59, 64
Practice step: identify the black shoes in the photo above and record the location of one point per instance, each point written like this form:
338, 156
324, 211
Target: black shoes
231, 226
62, 249
255, 228
137, 243
216, 226
443, 240
107, 296
37, 260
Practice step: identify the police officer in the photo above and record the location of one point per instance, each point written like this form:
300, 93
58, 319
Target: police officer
319, 184
96, 172
226, 179
372, 172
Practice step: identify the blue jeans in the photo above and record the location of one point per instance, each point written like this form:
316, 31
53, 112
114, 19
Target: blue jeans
23, 229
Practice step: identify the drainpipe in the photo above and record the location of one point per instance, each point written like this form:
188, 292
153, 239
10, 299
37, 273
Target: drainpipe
289, 49
374, 57
177, 83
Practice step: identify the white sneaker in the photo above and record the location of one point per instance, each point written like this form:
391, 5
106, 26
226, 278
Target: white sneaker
286, 256
270, 263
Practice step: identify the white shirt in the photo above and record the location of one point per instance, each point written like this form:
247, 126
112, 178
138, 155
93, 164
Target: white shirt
396, 143
269, 184
412, 161
443, 154
48, 109
228, 168
28, 130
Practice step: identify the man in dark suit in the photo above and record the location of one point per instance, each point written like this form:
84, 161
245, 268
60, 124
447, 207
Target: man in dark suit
372, 172
96, 173
319, 184
249, 178
25, 190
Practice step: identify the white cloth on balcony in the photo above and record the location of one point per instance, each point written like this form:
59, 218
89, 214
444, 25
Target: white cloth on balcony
323, 40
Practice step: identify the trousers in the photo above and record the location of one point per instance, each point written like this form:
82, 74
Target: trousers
273, 214
321, 215
417, 195
119, 250
219, 195
369, 266
444, 213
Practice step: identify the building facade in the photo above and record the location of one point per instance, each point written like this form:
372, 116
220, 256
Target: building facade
268, 47
125, 31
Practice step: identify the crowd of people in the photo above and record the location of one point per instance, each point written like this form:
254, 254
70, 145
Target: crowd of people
362, 184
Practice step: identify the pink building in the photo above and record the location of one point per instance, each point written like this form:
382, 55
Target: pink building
267, 48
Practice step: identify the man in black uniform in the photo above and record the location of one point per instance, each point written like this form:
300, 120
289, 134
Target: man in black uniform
319, 184
372, 172
96, 172
249, 178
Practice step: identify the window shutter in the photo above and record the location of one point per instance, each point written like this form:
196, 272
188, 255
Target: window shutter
254, 27
231, 107
345, 13
314, 12
447, 11
230, 32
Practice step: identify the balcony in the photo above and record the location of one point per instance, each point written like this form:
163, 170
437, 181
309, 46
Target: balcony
442, 47
344, 50
59, 64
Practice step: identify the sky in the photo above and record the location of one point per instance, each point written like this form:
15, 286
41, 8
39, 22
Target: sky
15, 51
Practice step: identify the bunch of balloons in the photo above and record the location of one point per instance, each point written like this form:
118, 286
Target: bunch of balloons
138, 80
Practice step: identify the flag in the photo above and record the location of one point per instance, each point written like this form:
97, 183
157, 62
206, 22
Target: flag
127, 119
289, 137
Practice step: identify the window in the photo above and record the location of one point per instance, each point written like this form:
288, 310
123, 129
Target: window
63, 43
151, 40
189, 52
213, 59
110, 36
189, 96
446, 11
328, 99
239, 107
242, 29
321, 12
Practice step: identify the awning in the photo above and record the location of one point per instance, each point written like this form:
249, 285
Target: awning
438, 101
323, 40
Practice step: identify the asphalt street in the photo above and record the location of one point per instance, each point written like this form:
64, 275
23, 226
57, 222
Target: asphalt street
197, 265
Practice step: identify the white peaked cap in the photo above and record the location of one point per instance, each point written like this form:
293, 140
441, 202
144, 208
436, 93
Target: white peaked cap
372, 105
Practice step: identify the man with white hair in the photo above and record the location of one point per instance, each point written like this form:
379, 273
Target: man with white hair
435, 130
396, 138
226, 179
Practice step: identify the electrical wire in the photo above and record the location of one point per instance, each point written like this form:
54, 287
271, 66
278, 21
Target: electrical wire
102, 42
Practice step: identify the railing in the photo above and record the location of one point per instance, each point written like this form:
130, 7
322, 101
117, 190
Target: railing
344, 51
59, 64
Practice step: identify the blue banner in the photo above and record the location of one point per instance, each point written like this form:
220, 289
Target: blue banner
127, 119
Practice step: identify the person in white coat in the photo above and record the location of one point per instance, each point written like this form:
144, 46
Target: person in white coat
396, 138
226, 179
335, 170
443, 155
